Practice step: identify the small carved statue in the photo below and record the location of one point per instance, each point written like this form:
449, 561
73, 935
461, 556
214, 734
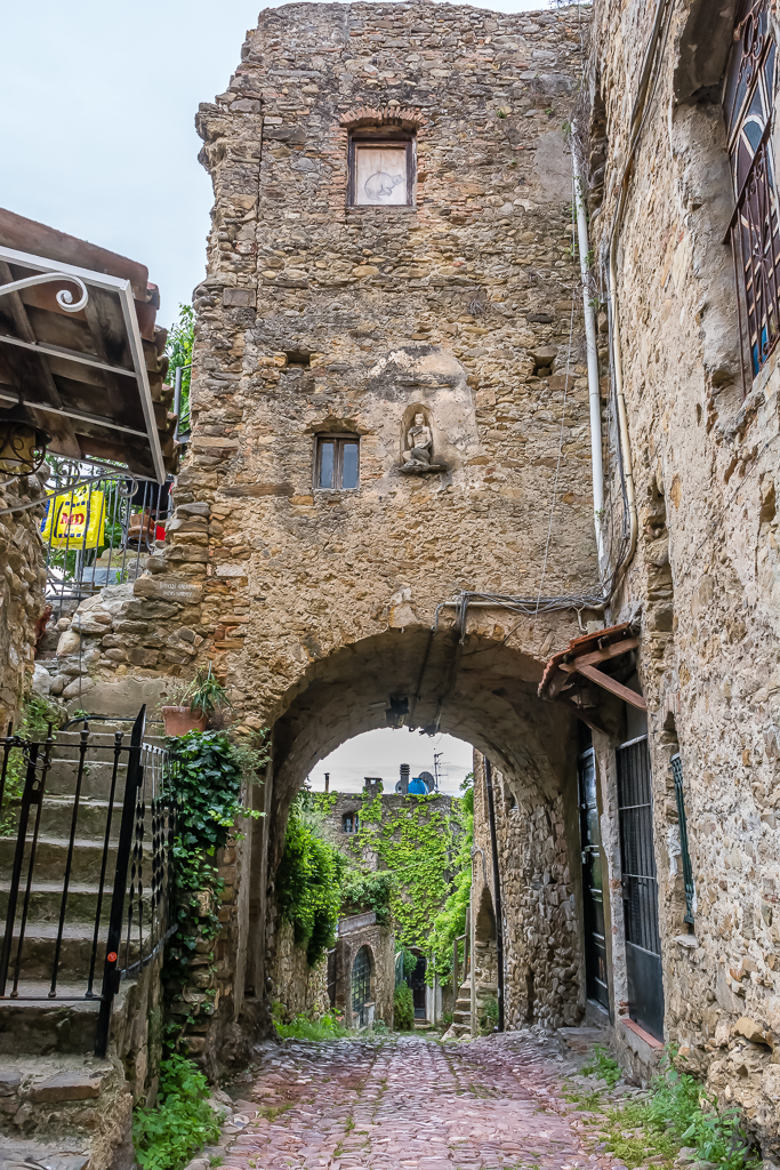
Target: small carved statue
418, 453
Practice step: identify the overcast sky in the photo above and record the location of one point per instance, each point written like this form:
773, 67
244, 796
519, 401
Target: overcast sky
381, 753
97, 101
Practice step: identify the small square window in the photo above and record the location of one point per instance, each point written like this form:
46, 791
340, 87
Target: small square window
337, 463
381, 172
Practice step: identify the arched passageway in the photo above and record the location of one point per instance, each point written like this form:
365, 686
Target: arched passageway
483, 690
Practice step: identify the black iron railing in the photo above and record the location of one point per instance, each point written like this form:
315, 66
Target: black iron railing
87, 824
687, 868
100, 524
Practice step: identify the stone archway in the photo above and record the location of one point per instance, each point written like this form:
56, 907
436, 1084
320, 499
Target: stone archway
480, 688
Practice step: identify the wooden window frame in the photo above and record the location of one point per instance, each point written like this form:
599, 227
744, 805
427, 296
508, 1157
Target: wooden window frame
378, 139
338, 462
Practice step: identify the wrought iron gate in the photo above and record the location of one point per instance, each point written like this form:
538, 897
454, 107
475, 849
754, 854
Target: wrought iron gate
592, 882
419, 989
89, 841
640, 886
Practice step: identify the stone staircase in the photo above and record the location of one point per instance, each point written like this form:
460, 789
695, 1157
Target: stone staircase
61, 1108
460, 1028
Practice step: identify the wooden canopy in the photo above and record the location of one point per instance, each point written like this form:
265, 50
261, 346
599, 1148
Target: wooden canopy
80, 355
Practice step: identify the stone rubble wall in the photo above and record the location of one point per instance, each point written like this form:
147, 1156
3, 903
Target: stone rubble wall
705, 580
540, 901
22, 601
299, 987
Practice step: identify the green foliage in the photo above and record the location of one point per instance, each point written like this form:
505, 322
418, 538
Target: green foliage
408, 962
205, 779
38, 714
450, 922
488, 1015
206, 693
369, 891
418, 844
308, 1027
602, 1065
308, 884
182, 1122
179, 351
403, 1008
676, 1112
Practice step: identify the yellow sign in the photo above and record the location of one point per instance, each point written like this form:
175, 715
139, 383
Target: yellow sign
75, 519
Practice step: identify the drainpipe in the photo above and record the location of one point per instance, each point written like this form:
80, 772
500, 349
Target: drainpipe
594, 393
497, 891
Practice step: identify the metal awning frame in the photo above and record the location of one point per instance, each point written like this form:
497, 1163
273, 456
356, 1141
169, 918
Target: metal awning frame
122, 288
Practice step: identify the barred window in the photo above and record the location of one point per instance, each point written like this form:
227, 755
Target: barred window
754, 232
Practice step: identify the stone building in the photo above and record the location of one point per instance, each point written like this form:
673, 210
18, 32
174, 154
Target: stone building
403, 394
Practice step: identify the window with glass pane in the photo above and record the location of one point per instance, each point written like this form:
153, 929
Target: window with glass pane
381, 172
755, 229
337, 462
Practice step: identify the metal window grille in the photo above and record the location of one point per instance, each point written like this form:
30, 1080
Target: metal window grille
677, 773
754, 231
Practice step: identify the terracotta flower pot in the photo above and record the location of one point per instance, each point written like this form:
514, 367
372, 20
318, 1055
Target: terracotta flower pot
180, 720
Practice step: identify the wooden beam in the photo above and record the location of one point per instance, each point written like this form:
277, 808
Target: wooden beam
594, 656
613, 686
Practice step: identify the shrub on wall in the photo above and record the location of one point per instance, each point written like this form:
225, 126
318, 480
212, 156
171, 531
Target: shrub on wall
308, 884
403, 1008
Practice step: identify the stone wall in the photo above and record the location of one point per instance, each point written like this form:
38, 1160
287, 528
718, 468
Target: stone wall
296, 985
540, 903
381, 945
704, 581
394, 806
22, 602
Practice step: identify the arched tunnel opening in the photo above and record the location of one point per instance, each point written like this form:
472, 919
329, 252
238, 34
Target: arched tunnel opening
480, 689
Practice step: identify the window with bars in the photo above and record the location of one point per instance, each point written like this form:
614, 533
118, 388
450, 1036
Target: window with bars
337, 462
754, 231
677, 774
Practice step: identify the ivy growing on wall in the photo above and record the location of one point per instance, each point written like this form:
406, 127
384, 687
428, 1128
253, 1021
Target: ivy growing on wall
418, 848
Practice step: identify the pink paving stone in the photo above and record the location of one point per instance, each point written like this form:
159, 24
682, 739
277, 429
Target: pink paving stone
412, 1104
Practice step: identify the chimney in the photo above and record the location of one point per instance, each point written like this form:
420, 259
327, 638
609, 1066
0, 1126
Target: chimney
327, 781
404, 781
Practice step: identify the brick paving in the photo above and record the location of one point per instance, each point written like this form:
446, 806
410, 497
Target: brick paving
410, 1103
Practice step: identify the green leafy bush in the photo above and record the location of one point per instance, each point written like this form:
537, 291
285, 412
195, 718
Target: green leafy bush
307, 1027
603, 1065
403, 1008
308, 884
677, 1112
37, 714
369, 891
488, 1015
181, 1123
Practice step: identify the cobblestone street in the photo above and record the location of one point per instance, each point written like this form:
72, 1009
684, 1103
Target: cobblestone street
409, 1102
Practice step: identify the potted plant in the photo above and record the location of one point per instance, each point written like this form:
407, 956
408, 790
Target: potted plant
195, 704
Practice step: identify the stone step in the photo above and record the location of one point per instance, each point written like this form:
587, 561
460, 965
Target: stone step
92, 819
38, 1026
75, 949
70, 1153
95, 779
462, 1017
51, 857
46, 899
64, 1088
463, 1004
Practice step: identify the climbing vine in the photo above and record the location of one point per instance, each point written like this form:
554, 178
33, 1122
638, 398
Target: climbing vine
417, 847
205, 781
450, 922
